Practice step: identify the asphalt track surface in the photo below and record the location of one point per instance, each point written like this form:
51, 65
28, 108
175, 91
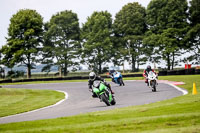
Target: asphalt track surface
80, 100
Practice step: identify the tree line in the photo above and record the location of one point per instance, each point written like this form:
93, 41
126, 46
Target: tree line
165, 30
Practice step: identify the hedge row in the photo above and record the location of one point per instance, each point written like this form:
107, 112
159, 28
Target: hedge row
180, 72
43, 79
60, 78
161, 73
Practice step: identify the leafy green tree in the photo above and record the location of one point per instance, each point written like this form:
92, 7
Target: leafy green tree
151, 43
24, 39
117, 51
194, 11
47, 50
193, 34
1, 69
167, 22
62, 35
97, 44
129, 26
0, 56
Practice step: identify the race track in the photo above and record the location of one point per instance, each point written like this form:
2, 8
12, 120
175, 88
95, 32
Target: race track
80, 99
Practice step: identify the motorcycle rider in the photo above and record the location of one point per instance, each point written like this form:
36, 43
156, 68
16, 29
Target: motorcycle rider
113, 73
146, 72
92, 78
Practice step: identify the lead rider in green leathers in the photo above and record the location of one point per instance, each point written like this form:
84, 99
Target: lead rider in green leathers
93, 77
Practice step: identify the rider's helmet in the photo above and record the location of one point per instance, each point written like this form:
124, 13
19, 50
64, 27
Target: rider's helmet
92, 75
148, 68
115, 73
111, 72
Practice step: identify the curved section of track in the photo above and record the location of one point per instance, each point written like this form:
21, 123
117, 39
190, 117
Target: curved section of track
80, 99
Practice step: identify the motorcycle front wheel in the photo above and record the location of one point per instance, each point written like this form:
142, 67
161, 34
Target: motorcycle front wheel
113, 102
104, 98
154, 86
122, 82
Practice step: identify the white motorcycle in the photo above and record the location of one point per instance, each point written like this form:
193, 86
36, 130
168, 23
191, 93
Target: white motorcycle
152, 80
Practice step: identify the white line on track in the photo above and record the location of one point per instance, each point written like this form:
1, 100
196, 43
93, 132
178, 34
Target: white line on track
179, 89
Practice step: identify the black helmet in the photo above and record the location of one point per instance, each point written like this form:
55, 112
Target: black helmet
92, 75
111, 71
148, 68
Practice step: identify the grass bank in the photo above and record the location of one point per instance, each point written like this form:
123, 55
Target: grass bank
180, 114
14, 101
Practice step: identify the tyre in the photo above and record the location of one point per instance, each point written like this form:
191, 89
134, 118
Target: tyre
122, 82
119, 81
154, 86
113, 102
104, 98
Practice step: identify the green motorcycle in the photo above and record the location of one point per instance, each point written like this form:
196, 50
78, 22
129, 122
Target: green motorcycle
104, 94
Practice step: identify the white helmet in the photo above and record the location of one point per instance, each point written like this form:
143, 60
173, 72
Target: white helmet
92, 75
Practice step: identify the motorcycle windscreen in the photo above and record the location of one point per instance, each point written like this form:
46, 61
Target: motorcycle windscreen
151, 73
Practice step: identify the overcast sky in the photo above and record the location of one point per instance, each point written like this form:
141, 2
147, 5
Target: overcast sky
46, 8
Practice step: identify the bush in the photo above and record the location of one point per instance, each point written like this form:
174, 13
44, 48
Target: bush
105, 69
15, 74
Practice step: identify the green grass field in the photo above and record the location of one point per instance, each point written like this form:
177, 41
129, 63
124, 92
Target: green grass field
14, 101
177, 115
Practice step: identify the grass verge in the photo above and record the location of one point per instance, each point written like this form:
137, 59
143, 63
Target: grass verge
180, 114
14, 101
